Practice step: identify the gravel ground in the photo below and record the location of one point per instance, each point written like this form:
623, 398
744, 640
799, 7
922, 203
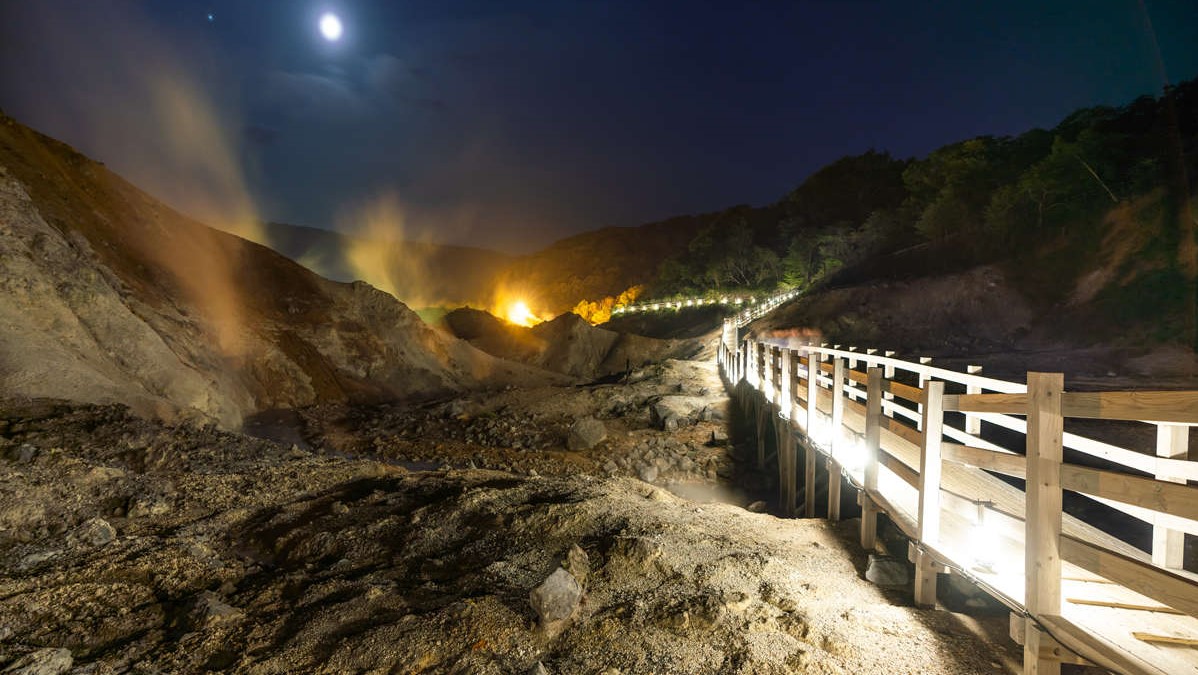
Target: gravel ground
140, 547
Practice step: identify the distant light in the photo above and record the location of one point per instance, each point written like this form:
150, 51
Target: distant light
330, 27
211, 17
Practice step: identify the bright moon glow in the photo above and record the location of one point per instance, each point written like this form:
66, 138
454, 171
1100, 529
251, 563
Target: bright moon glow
330, 27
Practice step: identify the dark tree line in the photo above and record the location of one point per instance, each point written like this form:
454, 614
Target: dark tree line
989, 197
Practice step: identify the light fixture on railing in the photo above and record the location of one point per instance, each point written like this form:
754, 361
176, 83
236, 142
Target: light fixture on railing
851, 450
983, 541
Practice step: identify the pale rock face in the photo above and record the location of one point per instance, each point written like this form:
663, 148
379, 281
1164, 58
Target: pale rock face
70, 332
107, 296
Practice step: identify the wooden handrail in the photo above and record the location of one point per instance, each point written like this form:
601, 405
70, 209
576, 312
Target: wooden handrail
857, 400
1177, 407
1172, 498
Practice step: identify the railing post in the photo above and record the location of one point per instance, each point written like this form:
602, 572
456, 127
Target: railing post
776, 374
812, 416
763, 407
834, 442
923, 361
1168, 546
784, 389
792, 400
973, 424
888, 373
1042, 545
929, 492
787, 474
761, 366
873, 434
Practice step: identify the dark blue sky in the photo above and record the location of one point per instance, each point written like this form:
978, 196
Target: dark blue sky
509, 124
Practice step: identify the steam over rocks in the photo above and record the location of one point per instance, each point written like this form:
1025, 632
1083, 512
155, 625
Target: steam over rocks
109, 296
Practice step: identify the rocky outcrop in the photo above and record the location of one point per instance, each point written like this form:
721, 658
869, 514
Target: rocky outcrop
109, 296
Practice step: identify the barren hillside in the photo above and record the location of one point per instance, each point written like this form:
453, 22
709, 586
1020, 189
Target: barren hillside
107, 295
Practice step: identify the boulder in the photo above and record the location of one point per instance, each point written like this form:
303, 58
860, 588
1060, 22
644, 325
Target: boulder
586, 433
556, 598
887, 572
94, 532
648, 473
684, 410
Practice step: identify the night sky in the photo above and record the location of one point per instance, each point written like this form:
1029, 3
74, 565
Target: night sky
509, 124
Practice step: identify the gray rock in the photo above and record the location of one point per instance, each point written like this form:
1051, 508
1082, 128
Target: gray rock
648, 473
556, 598
25, 453
43, 662
887, 572
757, 507
539, 669
35, 559
94, 532
719, 437
586, 433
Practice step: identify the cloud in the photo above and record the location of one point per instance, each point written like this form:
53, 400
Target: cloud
324, 98
364, 87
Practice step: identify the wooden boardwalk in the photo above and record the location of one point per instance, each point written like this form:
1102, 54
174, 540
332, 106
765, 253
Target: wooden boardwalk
919, 455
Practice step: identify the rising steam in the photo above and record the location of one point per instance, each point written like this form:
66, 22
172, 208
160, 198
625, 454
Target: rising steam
131, 100
380, 253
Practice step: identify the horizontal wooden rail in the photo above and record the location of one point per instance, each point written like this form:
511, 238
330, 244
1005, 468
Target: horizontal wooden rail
1175, 407
899, 468
904, 391
1172, 498
999, 462
1005, 404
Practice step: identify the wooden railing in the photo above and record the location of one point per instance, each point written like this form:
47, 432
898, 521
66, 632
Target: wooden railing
745, 303
880, 423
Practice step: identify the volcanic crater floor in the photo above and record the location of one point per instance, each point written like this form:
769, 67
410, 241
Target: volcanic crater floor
132, 546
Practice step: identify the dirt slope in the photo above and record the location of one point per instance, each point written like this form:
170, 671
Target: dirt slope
107, 295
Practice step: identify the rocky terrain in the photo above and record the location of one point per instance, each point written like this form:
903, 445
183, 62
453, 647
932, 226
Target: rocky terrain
567, 344
577, 500
132, 546
107, 295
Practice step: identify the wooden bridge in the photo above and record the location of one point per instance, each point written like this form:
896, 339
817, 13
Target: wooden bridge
911, 440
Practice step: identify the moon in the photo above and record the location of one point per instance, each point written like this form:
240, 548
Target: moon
330, 27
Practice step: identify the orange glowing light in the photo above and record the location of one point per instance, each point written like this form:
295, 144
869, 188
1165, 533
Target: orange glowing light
519, 314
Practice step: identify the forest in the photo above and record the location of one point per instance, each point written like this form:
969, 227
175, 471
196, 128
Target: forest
981, 200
